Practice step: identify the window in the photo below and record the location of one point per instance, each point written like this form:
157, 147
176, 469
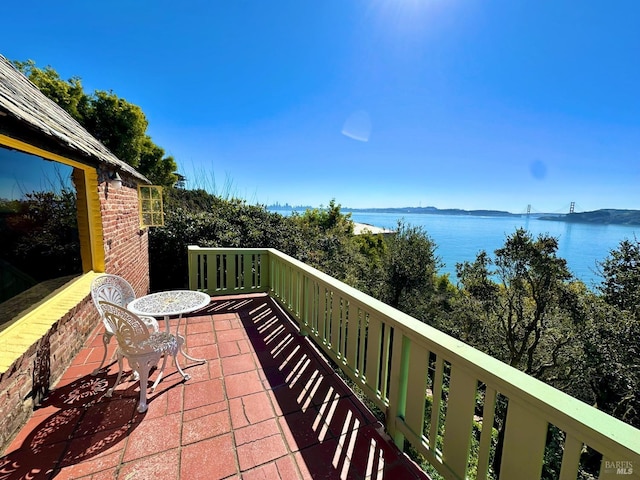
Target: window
151, 210
39, 240
50, 227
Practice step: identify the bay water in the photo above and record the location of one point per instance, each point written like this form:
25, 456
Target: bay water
460, 238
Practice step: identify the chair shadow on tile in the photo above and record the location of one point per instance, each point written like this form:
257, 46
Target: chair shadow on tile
75, 423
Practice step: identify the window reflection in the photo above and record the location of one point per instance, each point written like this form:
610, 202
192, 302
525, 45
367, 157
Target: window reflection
39, 242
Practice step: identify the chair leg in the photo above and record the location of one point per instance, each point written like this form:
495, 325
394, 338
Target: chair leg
110, 391
106, 338
144, 376
155, 384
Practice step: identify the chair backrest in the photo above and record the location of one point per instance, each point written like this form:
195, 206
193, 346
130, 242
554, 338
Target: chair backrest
112, 289
130, 331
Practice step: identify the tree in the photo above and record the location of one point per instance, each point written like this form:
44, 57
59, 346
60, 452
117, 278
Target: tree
120, 125
621, 272
611, 361
155, 166
475, 303
68, 94
410, 267
369, 273
526, 306
325, 220
329, 246
534, 299
610, 338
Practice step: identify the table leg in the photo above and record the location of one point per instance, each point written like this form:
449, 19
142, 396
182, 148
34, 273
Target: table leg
164, 360
184, 343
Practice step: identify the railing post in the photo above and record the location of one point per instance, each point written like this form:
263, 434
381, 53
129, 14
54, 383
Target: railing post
232, 271
272, 276
398, 386
192, 259
524, 442
459, 420
265, 278
304, 306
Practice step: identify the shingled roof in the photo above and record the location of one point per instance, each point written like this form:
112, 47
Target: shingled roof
22, 101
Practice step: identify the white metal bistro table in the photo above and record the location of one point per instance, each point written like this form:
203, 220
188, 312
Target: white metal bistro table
168, 304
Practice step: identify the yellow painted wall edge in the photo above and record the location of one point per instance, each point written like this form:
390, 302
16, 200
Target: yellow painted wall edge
16, 339
38, 319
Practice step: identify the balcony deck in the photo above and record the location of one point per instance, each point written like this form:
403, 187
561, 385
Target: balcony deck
265, 405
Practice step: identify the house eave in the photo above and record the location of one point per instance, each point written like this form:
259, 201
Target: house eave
29, 116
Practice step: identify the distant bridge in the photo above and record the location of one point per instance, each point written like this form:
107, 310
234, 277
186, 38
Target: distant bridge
567, 208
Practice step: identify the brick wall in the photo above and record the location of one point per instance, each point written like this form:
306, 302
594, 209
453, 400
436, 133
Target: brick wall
126, 245
34, 374
23, 386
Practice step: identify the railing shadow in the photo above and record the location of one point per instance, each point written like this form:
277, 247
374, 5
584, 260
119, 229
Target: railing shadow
335, 435
83, 424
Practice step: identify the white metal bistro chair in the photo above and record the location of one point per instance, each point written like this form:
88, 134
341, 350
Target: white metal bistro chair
116, 290
141, 347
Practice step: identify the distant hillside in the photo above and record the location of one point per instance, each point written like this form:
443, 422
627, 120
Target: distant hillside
607, 216
435, 211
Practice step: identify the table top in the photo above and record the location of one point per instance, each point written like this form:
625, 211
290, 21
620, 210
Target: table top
172, 302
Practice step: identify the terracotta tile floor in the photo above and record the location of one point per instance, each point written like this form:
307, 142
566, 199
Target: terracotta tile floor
265, 405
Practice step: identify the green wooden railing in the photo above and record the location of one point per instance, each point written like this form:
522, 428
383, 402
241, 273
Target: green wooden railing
436, 391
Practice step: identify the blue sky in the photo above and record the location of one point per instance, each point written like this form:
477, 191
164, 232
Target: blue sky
451, 103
